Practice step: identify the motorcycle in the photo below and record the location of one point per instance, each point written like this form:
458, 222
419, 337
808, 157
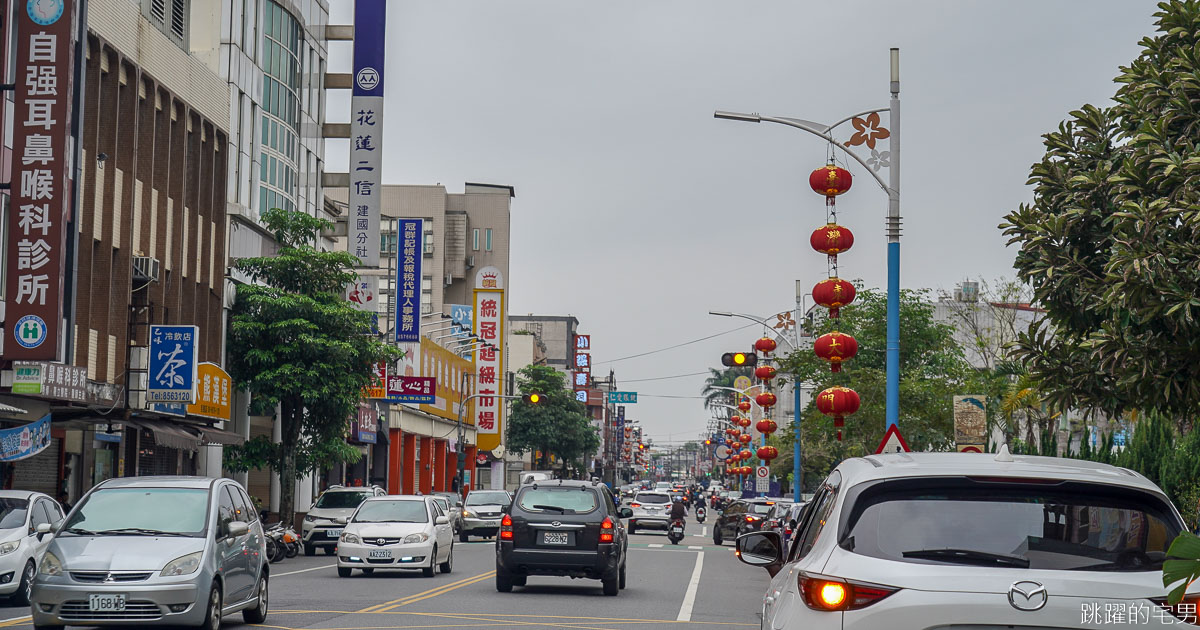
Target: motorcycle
282, 542
701, 513
675, 532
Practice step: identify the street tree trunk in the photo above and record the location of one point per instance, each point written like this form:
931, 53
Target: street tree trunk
290, 416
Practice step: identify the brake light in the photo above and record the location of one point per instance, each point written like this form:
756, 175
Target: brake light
751, 519
506, 532
606, 530
832, 594
635, 505
1184, 611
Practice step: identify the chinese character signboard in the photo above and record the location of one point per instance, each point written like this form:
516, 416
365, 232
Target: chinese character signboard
622, 397
364, 425
489, 359
412, 389
40, 193
378, 386
408, 281
366, 131
173, 364
212, 393
50, 380
21, 442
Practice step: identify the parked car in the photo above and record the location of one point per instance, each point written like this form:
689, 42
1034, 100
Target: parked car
650, 510
455, 509
21, 545
172, 551
321, 528
940, 540
481, 513
396, 532
740, 517
567, 528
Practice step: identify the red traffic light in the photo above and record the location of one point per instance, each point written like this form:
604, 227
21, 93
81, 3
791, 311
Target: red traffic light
739, 359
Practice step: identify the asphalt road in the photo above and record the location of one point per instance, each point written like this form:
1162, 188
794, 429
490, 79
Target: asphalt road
691, 585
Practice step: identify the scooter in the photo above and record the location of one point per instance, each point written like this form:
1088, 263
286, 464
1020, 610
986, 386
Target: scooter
700, 514
675, 532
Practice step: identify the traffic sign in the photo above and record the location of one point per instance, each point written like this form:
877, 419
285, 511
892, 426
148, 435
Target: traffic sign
627, 398
892, 442
722, 451
742, 383
762, 479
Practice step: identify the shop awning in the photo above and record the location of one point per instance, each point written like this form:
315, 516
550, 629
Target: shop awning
11, 409
168, 434
211, 435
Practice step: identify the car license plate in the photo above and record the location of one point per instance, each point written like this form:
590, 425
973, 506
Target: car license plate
380, 553
106, 603
556, 538
333, 533
493, 524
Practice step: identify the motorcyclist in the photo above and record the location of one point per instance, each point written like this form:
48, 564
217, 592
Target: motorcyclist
678, 511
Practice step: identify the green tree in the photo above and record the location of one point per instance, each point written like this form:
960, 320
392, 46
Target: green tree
295, 342
1111, 242
717, 379
556, 424
932, 371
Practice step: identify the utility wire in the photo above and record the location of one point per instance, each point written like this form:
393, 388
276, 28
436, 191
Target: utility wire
660, 378
678, 345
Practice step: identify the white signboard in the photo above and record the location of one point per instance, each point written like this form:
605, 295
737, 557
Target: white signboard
762, 479
489, 359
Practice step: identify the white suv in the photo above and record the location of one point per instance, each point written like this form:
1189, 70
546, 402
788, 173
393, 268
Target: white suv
322, 527
955, 540
651, 510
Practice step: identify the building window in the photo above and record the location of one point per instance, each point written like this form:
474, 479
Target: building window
170, 17
429, 243
280, 62
489, 240
426, 295
475, 239
387, 243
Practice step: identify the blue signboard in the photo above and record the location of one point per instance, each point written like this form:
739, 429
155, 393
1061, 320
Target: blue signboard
19, 443
366, 130
408, 281
173, 363
171, 409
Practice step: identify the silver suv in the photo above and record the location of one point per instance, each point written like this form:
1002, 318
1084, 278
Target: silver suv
172, 551
651, 510
321, 527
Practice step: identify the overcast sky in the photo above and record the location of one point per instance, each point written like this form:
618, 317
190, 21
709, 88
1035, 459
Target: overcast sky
637, 212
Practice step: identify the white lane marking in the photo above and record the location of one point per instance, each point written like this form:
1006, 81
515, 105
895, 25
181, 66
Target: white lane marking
695, 547
704, 532
689, 599
655, 545
328, 566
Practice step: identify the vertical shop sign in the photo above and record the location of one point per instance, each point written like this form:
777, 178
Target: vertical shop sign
408, 282
173, 364
40, 193
366, 130
488, 320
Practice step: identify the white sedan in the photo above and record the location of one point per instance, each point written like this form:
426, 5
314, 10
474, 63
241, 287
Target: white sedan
396, 532
21, 546
960, 540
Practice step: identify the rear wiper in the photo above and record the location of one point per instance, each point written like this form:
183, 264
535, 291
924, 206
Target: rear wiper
138, 530
550, 507
969, 556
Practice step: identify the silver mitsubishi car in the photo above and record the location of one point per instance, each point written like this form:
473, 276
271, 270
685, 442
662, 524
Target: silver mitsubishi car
177, 551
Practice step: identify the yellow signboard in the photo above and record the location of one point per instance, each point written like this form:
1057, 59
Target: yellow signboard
213, 389
449, 370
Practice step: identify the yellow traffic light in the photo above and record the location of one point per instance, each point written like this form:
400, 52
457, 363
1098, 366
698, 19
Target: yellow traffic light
533, 399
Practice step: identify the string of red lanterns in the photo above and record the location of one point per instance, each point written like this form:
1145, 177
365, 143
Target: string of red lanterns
833, 293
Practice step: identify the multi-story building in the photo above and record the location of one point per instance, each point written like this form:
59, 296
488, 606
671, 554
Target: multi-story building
556, 332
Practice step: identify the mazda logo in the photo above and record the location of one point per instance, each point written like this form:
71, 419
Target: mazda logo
556, 524
1027, 595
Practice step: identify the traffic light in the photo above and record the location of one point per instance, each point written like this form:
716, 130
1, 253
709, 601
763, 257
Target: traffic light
708, 442
533, 398
739, 359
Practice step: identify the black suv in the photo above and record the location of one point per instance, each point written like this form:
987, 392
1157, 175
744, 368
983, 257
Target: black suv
560, 527
740, 517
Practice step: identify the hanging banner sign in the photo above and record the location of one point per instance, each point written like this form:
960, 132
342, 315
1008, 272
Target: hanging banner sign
212, 393
408, 281
412, 389
22, 442
366, 130
489, 359
173, 365
39, 204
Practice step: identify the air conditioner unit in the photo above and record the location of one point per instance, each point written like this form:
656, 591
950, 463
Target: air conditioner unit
449, 279
471, 261
145, 268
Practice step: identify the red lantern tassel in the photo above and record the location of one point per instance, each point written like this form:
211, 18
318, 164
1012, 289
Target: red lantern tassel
835, 367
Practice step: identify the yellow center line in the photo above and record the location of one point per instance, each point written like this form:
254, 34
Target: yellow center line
376, 607
435, 592
504, 621
16, 622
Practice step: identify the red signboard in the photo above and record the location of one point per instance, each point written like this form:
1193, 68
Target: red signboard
40, 188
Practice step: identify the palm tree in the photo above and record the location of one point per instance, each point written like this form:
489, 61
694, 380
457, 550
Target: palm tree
722, 378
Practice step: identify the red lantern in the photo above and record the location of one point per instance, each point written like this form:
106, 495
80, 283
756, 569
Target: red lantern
767, 453
833, 294
732, 433
765, 345
744, 405
765, 372
745, 438
746, 470
743, 422
745, 454
830, 180
838, 402
766, 426
766, 399
835, 347
832, 239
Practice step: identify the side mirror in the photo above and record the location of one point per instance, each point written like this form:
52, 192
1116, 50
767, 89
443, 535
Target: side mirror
761, 549
625, 512
237, 528
42, 530
342, 520
441, 520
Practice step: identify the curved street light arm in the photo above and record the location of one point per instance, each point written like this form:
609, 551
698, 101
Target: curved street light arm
764, 323
849, 118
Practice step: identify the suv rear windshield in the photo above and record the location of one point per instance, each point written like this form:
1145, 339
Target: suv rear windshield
1064, 526
761, 508
488, 498
558, 500
342, 500
652, 498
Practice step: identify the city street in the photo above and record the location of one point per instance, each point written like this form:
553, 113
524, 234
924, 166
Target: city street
662, 589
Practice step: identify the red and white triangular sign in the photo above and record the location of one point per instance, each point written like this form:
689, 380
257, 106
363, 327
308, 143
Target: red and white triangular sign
892, 442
